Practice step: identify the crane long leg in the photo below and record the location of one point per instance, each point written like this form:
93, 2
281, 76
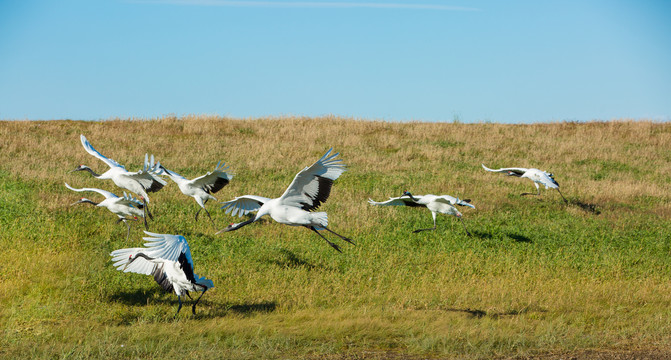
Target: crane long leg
212, 221
207, 212
340, 236
322, 236
538, 191
146, 209
193, 308
179, 298
562, 196
128, 232
434, 224
464, 225
146, 227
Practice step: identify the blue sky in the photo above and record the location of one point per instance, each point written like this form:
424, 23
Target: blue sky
396, 60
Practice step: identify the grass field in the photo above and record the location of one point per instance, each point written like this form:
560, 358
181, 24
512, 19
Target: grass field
538, 278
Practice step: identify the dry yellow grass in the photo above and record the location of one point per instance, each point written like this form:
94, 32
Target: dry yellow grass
538, 275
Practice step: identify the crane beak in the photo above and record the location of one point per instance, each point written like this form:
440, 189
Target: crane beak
236, 226
230, 227
130, 260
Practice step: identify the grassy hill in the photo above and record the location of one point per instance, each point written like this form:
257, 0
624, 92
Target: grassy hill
538, 276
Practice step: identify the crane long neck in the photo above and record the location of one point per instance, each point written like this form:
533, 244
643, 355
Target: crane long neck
412, 197
142, 255
92, 172
234, 227
82, 201
247, 222
133, 258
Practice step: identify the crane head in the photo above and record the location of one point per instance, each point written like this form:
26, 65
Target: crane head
130, 260
407, 193
80, 168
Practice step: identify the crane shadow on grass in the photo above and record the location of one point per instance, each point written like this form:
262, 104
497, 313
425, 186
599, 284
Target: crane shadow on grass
478, 313
291, 260
519, 238
140, 297
210, 311
206, 308
587, 207
248, 309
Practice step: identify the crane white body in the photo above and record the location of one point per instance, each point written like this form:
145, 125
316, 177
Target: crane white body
167, 258
309, 189
539, 177
140, 182
202, 187
443, 204
123, 207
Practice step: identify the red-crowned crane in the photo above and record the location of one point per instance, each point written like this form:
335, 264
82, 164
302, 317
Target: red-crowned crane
444, 204
168, 259
309, 189
123, 207
202, 187
140, 182
535, 175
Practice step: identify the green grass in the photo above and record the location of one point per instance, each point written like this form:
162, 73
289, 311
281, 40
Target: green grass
537, 277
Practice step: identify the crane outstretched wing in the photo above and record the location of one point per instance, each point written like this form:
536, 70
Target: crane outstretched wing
131, 201
213, 181
149, 176
104, 193
91, 150
312, 185
455, 201
397, 201
162, 246
242, 205
517, 171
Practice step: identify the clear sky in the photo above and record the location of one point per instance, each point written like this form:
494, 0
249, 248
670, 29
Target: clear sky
396, 60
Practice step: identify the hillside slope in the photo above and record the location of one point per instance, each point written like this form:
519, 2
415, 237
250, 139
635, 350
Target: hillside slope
538, 277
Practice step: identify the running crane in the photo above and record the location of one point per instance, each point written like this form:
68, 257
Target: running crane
123, 207
168, 259
140, 182
202, 187
535, 175
444, 204
309, 189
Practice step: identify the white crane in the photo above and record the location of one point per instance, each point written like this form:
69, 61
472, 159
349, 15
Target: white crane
535, 175
167, 258
123, 207
140, 182
444, 204
310, 188
202, 187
